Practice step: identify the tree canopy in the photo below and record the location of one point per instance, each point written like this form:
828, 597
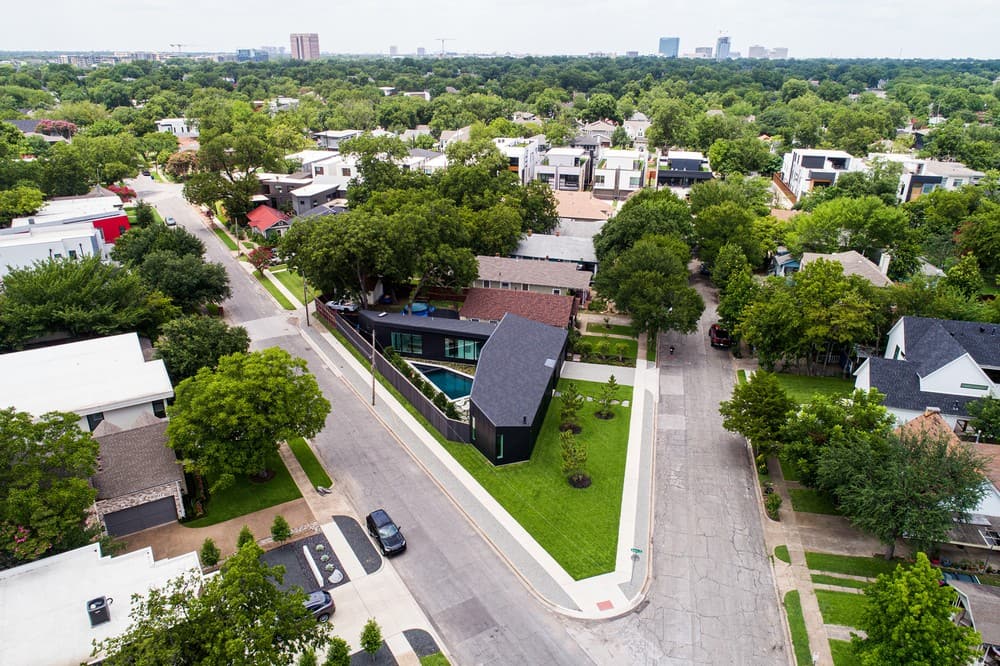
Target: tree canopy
188, 344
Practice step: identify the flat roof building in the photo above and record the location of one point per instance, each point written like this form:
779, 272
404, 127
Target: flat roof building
305, 45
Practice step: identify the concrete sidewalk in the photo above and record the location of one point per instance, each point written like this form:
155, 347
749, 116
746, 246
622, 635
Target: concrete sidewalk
604, 596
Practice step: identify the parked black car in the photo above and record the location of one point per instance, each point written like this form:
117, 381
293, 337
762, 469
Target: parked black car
320, 603
385, 532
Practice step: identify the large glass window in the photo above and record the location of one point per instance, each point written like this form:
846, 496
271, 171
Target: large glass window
462, 349
408, 343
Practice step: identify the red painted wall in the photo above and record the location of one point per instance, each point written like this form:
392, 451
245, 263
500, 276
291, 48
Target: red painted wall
112, 227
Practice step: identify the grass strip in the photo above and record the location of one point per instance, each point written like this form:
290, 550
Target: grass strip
274, 291
843, 653
826, 579
781, 552
613, 329
310, 463
436, 659
869, 567
225, 238
802, 388
797, 626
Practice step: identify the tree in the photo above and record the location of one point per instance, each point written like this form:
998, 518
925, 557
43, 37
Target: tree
245, 536
260, 257
136, 244
229, 420
378, 165
239, 616
609, 392
574, 459
825, 422
80, 297
143, 214
980, 235
187, 344
308, 658
985, 413
966, 277
572, 403
189, 281
752, 194
747, 155
371, 638
727, 223
648, 212
209, 553
757, 410
19, 201
729, 261
338, 653
281, 531
908, 620
620, 138
45, 490
909, 484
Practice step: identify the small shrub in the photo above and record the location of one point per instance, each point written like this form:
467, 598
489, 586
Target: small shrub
440, 401
371, 638
209, 553
772, 503
245, 537
307, 658
281, 531
338, 653
451, 411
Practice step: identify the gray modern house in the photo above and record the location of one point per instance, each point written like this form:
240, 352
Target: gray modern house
517, 372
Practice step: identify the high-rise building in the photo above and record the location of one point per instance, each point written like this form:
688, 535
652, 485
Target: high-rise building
421, 51
305, 46
670, 46
393, 50
722, 48
778, 53
757, 51
703, 52
251, 55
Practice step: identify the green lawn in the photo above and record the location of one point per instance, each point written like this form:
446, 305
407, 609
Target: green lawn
651, 348
246, 496
274, 291
293, 283
613, 329
629, 348
843, 653
869, 567
310, 464
789, 470
578, 527
844, 608
221, 213
812, 501
225, 238
436, 659
827, 579
781, 552
802, 388
741, 376
797, 626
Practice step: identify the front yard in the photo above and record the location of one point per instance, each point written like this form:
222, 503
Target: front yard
801, 388
578, 527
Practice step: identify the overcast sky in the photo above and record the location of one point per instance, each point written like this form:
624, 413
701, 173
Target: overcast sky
809, 28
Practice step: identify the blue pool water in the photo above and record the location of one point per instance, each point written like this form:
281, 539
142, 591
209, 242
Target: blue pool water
453, 384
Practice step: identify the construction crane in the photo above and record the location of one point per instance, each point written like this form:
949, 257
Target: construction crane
443, 40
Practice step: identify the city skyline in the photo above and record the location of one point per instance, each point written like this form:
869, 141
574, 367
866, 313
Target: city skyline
851, 29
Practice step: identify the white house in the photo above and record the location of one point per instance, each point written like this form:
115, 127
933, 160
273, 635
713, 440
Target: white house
523, 155
924, 176
21, 247
934, 363
104, 379
564, 169
619, 173
805, 169
636, 127
179, 127
53, 609
332, 139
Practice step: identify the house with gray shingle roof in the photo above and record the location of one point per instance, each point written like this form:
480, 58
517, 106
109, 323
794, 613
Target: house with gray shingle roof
544, 277
937, 363
517, 372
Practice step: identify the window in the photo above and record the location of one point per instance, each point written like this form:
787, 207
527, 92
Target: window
927, 188
895, 354
958, 182
505, 285
346, 171
94, 420
159, 409
524, 287
408, 343
463, 349
500, 447
978, 387
487, 284
318, 170
72, 254
633, 181
557, 292
57, 256
599, 179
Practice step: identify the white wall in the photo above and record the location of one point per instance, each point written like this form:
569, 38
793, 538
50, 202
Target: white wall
950, 377
124, 417
896, 339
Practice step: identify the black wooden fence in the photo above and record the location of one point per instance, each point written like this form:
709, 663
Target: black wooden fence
450, 429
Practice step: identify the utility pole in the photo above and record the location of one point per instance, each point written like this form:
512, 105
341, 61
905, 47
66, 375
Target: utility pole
305, 295
373, 365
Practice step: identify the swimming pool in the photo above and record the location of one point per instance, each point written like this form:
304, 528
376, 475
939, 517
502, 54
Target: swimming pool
454, 384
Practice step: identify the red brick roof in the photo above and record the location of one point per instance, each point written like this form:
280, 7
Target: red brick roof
263, 218
493, 304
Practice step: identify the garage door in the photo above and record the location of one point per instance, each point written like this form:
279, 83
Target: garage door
140, 517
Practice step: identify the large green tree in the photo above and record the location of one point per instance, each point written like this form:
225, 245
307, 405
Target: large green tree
724, 223
239, 616
45, 489
188, 344
908, 620
910, 484
133, 246
757, 410
646, 212
189, 281
227, 421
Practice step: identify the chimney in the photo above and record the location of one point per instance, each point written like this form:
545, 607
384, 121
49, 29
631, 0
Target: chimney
883, 263
932, 410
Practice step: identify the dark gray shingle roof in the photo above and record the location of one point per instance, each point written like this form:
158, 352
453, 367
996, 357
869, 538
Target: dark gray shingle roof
134, 460
514, 370
431, 324
980, 339
26, 126
900, 383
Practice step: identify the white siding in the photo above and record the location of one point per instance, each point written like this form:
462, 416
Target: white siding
950, 377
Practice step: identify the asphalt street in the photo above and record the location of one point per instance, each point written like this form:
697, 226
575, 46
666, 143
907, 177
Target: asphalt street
480, 608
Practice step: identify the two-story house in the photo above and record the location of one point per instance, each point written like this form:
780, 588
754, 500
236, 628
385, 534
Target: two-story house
921, 177
21, 247
179, 127
331, 139
619, 173
565, 169
935, 363
523, 155
681, 169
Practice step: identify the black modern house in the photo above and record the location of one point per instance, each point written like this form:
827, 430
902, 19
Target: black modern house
427, 338
517, 373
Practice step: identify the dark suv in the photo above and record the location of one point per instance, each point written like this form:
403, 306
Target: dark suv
320, 604
385, 532
719, 337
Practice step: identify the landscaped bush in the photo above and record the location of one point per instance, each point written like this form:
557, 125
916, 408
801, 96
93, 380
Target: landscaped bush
280, 529
245, 537
209, 553
772, 503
